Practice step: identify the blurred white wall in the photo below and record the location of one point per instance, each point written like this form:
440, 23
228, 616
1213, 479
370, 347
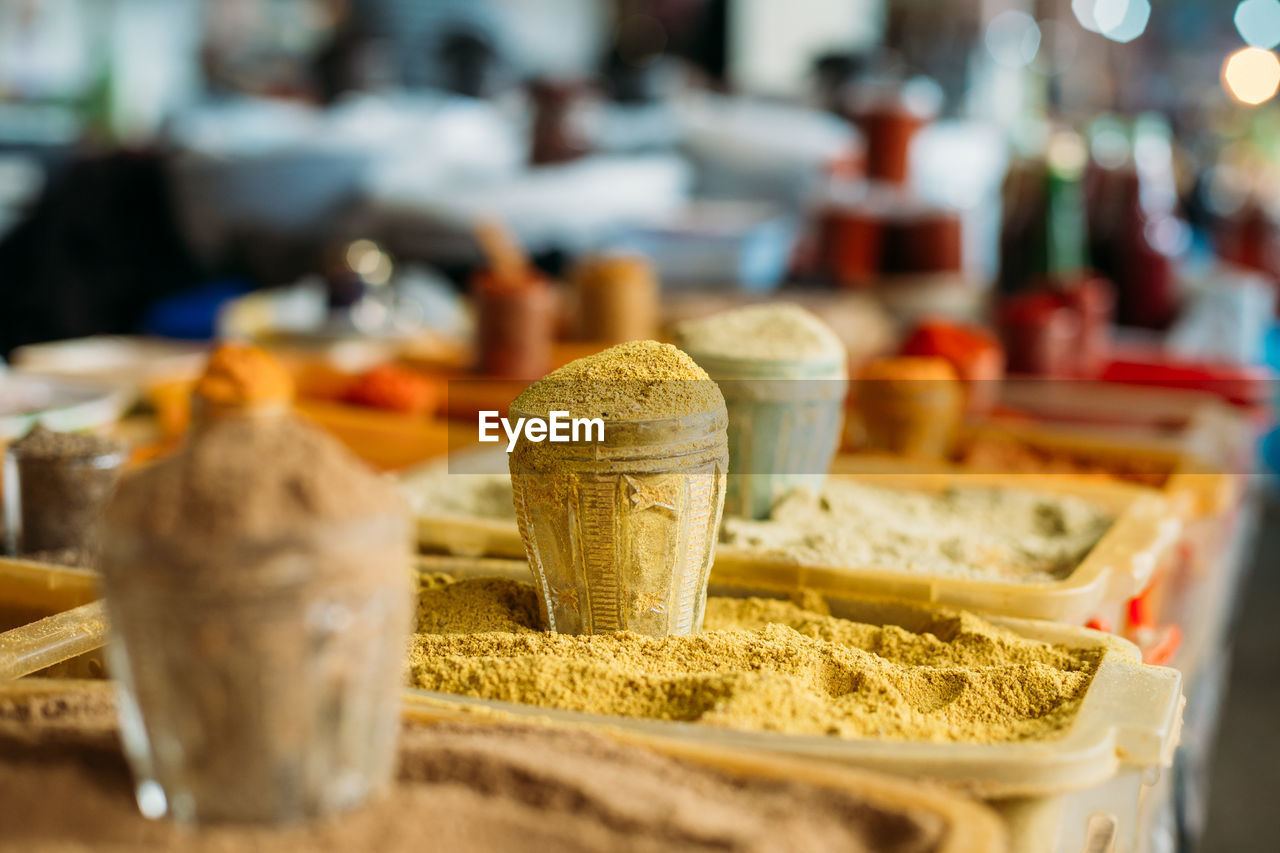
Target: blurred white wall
774, 42
154, 62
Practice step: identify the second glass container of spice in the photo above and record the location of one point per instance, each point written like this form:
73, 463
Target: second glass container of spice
258, 591
621, 527
55, 485
784, 378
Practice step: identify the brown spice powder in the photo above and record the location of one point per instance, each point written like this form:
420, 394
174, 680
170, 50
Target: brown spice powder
760, 664
474, 788
220, 488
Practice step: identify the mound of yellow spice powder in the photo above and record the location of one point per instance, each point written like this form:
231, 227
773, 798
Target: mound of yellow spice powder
759, 664
640, 380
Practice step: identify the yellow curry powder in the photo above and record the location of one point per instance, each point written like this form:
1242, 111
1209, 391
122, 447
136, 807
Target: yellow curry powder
759, 665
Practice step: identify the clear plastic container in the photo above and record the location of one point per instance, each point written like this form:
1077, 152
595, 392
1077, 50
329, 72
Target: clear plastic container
620, 534
50, 621
1120, 566
1055, 796
785, 421
970, 828
266, 695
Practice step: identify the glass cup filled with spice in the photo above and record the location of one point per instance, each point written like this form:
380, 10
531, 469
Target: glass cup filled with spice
620, 525
258, 590
784, 378
55, 485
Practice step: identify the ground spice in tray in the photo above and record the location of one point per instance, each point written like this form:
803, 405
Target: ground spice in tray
64, 785
1011, 456
759, 664
440, 493
979, 533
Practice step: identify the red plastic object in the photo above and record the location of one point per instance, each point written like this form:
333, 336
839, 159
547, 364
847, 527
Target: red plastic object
1160, 650
1099, 625
1141, 611
397, 389
1241, 385
974, 352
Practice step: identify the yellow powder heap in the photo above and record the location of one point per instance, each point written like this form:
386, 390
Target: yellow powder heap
641, 380
758, 665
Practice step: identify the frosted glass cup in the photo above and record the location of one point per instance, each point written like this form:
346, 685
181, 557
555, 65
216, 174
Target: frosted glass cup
786, 417
621, 533
268, 692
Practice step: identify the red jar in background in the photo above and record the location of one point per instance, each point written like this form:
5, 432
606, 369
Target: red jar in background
850, 244
1040, 334
515, 325
923, 239
1093, 298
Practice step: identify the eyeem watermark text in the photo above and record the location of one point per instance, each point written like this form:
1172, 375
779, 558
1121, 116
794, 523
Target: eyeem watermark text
556, 427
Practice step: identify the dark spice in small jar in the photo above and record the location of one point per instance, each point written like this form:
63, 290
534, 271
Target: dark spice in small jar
55, 485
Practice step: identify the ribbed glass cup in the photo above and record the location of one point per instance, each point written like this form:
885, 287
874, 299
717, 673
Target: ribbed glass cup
621, 533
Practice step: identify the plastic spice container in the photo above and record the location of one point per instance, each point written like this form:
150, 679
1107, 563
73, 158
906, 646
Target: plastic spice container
617, 299
258, 632
1052, 794
55, 485
620, 533
515, 325
910, 406
785, 422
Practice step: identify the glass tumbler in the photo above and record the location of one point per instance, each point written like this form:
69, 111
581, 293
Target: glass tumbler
785, 422
621, 533
260, 680
53, 503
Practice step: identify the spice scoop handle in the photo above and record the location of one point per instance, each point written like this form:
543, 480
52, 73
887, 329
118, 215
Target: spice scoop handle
51, 640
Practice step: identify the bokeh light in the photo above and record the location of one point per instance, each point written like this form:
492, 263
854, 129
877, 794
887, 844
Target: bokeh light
1013, 38
1252, 75
1259, 22
1122, 20
1084, 14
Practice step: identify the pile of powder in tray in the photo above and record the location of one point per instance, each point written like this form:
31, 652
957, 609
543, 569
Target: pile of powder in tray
979, 533
762, 332
641, 380
436, 492
464, 787
759, 664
